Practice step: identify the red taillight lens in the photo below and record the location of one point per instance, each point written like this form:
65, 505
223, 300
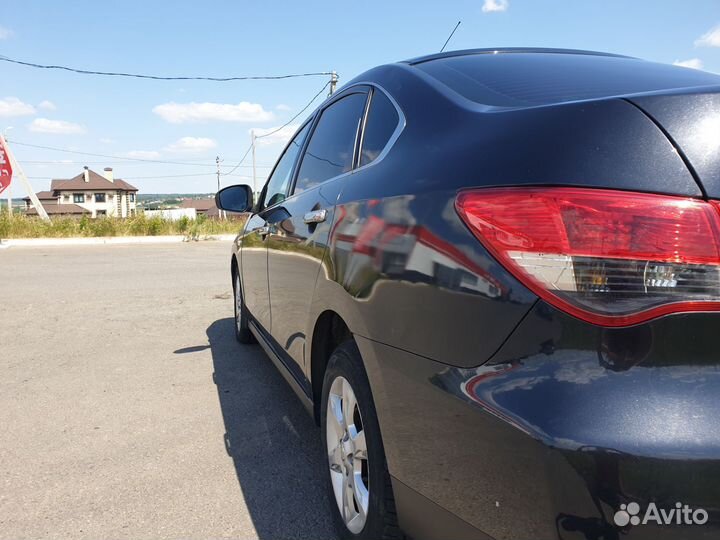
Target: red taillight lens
608, 257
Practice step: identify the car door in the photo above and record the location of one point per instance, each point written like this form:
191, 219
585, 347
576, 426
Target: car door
298, 235
254, 256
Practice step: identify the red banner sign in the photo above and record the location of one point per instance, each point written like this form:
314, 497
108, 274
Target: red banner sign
5, 167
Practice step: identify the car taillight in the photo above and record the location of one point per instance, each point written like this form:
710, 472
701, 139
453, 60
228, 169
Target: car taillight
608, 257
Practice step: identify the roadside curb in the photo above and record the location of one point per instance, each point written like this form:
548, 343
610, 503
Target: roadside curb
117, 240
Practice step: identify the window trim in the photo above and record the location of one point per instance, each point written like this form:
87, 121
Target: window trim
393, 137
363, 123
76, 196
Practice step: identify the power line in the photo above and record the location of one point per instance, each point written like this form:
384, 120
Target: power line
163, 78
239, 162
278, 129
143, 160
203, 173
298, 114
110, 156
70, 162
332, 82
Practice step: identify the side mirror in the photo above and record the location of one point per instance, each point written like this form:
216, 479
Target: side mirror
238, 198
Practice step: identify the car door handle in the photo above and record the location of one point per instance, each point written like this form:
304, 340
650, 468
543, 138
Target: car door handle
316, 216
262, 231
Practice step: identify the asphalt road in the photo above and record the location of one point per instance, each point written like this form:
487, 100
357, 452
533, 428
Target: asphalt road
128, 410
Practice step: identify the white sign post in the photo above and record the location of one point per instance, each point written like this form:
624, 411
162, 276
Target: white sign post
16, 168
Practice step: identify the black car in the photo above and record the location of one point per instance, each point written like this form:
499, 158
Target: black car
493, 278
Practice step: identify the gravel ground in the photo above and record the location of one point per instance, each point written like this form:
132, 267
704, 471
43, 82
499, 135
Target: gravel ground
127, 409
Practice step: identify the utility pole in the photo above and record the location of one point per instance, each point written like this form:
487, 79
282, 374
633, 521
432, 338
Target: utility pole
333, 82
252, 138
217, 165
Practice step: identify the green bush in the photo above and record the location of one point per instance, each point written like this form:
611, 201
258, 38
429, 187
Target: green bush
183, 223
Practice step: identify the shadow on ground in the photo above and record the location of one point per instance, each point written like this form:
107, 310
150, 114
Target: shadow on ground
273, 442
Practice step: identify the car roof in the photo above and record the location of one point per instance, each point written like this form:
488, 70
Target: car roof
506, 50
514, 78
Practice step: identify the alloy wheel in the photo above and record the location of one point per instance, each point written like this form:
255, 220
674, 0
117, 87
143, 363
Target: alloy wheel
347, 455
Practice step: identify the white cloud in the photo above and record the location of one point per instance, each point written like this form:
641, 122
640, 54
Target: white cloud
12, 106
711, 38
6, 33
143, 154
283, 107
47, 105
43, 125
191, 145
179, 113
694, 63
492, 6
281, 136
106, 140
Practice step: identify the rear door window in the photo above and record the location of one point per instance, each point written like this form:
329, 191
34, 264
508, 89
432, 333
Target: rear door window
331, 149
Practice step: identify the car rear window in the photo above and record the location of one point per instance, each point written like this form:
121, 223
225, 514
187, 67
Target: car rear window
521, 80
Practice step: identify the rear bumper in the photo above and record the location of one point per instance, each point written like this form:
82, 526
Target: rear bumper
566, 424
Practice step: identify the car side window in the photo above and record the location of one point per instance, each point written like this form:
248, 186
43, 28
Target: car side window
332, 145
279, 181
382, 120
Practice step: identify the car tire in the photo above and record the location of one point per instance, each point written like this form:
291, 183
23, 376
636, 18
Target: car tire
242, 317
348, 472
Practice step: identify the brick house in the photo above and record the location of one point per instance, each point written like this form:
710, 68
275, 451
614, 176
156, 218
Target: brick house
88, 194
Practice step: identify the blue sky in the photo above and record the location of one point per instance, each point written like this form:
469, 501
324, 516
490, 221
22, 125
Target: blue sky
164, 119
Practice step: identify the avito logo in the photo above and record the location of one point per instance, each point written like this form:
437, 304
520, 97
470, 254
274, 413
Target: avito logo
682, 514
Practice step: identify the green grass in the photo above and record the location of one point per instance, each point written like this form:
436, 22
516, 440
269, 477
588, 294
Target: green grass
68, 227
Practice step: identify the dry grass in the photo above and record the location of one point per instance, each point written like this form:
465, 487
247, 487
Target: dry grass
68, 227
